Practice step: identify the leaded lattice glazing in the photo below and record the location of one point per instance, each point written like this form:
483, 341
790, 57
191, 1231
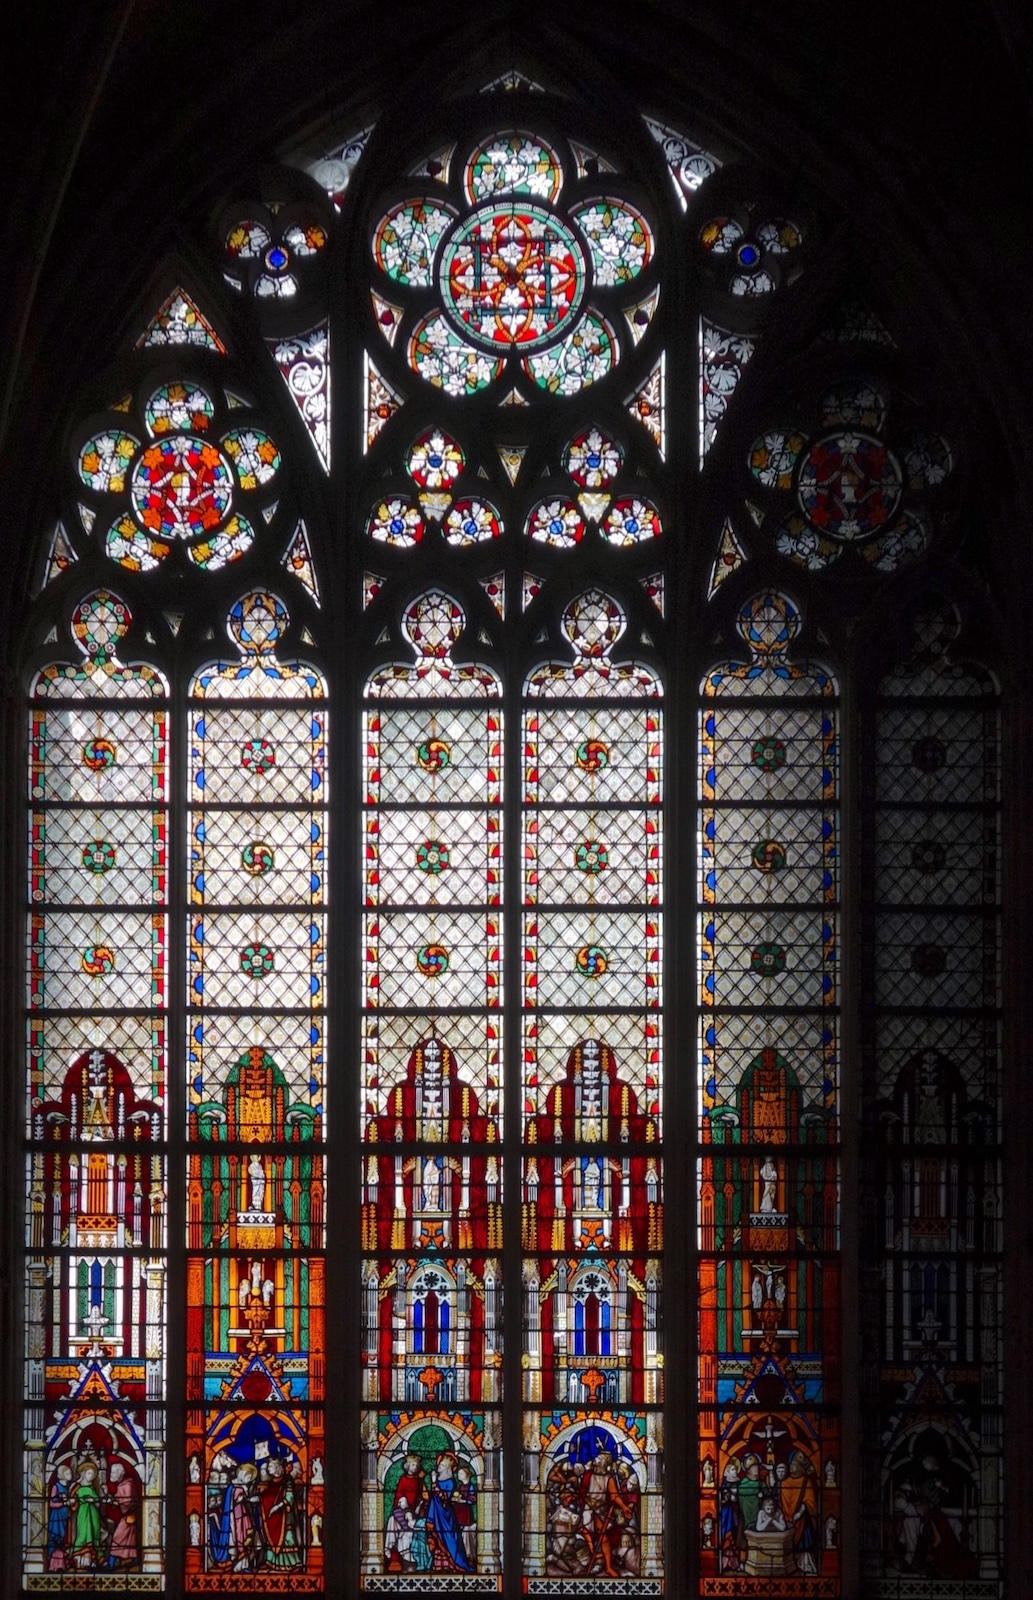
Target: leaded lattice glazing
96, 1174
433, 1173
931, 1293
256, 1005
519, 557
769, 1339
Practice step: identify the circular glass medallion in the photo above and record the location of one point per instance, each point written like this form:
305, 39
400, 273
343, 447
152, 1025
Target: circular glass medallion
592, 755
406, 239
592, 458
768, 753
432, 856
721, 235
619, 239
592, 857
396, 521
432, 960
253, 454
768, 856
471, 522
181, 487
257, 756
767, 960
907, 539
247, 240
854, 405
132, 548
98, 623
99, 754
631, 522
257, 960
512, 274
257, 621
773, 457
779, 235
257, 858
441, 358
226, 545
104, 461
584, 356
849, 485
591, 961
556, 522
433, 755
97, 960
513, 163
99, 856
179, 405
434, 460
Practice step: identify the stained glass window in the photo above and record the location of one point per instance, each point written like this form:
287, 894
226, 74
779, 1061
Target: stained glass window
931, 1297
256, 1053
592, 1160
769, 1449
512, 976
431, 1284
502, 441
97, 1174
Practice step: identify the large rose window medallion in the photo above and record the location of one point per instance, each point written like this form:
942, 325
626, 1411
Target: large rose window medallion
512, 274
845, 489
184, 479
849, 485
500, 266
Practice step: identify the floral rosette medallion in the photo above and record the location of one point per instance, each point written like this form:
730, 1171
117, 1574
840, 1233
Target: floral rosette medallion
176, 468
509, 267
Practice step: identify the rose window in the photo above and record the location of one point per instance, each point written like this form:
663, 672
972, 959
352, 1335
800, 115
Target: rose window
842, 487
506, 268
179, 476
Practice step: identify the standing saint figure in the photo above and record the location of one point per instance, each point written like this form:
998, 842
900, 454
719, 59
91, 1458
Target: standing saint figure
256, 1178
278, 1503
769, 1178
233, 1535
85, 1508
408, 1505
605, 1512
124, 1550
57, 1518
448, 1550
799, 1497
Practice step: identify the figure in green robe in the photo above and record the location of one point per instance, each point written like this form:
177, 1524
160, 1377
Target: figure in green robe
749, 1490
85, 1502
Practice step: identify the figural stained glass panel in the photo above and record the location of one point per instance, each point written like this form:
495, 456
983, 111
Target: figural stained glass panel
592, 1212
96, 1178
769, 1168
931, 1286
431, 1274
256, 1091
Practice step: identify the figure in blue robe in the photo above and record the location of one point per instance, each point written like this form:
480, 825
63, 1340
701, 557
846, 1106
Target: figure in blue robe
441, 1514
57, 1518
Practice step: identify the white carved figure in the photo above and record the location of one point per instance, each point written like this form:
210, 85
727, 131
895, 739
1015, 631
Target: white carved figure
769, 1178
256, 1177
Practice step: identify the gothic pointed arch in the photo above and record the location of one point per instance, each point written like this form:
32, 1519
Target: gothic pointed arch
482, 1210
